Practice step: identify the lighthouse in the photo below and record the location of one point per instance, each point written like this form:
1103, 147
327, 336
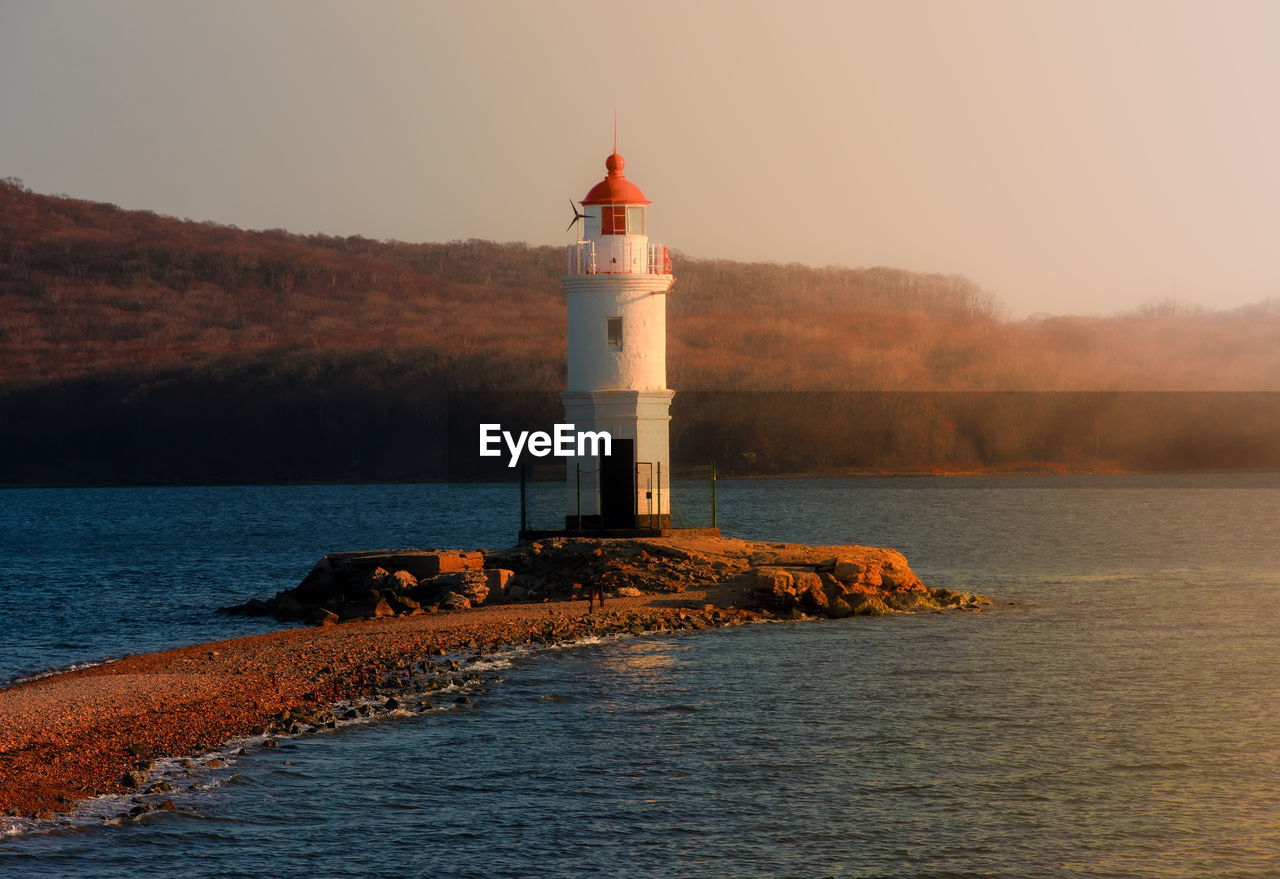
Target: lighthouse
616, 286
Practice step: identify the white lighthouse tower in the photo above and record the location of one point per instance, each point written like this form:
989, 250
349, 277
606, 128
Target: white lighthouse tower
616, 285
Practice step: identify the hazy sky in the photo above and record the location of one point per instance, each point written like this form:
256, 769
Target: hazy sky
1069, 157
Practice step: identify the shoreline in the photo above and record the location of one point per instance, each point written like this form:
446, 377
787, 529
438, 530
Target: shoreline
87, 732
84, 732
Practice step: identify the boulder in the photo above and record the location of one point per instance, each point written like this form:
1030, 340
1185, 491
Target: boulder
357, 610
516, 592
769, 579
403, 603
772, 587
289, 608
444, 562
809, 592
254, 607
851, 571
839, 609
376, 579
133, 778
910, 601
864, 605
476, 594
322, 617
627, 592
401, 581
497, 580
471, 585
846, 570
322, 581
454, 601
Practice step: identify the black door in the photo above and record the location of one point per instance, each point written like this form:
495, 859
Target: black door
618, 485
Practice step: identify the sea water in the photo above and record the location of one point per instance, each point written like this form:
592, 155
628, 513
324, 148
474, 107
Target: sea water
1116, 713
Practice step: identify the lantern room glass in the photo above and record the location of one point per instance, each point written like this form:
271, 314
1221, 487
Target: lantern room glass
635, 220
622, 220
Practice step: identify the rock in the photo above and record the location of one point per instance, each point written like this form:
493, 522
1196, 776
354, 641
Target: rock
910, 601
322, 617
403, 603
454, 601
168, 806
867, 605
444, 562
771, 579
772, 587
254, 607
472, 585
377, 579
846, 570
133, 779
852, 571
401, 581
809, 592
839, 609
352, 572
356, 610
497, 580
782, 579
289, 608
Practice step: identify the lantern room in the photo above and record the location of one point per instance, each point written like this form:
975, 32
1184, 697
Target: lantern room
621, 204
613, 237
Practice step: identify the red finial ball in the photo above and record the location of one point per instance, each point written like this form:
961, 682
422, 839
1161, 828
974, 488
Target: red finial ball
615, 163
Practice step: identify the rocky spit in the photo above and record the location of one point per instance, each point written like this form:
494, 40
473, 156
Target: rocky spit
394, 632
777, 578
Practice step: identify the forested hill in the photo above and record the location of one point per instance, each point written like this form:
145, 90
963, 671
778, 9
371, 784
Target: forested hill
88, 288
113, 323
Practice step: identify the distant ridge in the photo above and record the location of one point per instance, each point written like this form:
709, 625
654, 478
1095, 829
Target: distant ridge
136, 348
88, 288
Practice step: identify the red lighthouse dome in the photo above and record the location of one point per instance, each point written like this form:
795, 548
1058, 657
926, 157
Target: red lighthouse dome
615, 188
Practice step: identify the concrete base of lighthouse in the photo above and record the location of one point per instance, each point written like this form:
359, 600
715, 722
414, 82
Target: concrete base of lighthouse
631, 487
617, 533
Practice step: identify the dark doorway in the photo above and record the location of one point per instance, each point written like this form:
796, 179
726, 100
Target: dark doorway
618, 485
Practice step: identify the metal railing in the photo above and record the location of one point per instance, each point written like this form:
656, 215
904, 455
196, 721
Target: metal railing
582, 259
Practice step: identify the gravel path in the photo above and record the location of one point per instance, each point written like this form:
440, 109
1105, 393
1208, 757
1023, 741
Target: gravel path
74, 735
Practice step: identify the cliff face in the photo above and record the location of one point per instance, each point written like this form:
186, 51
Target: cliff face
776, 578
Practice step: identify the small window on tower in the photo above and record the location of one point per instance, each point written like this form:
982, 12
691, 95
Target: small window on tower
614, 331
635, 221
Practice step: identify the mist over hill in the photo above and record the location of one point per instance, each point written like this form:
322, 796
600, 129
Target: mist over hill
136, 347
